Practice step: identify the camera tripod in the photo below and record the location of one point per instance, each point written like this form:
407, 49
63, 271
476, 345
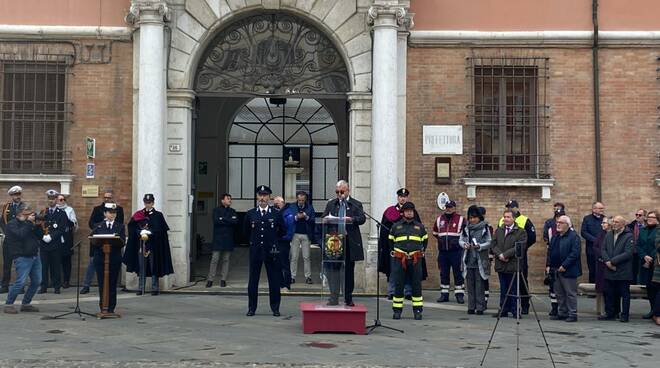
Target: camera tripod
517, 295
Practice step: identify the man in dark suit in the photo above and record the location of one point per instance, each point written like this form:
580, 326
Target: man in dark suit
54, 222
109, 225
350, 209
225, 220
263, 226
95, 218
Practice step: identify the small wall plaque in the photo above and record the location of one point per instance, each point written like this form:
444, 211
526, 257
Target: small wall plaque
174, 147
90, 144
90, 191
443, 170
90, 170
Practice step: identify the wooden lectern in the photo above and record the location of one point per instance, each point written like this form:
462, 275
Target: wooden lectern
107, 242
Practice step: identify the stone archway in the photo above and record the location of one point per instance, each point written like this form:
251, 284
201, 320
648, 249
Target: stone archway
193, 30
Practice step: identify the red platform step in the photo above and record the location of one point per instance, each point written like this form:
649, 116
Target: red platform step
318, 317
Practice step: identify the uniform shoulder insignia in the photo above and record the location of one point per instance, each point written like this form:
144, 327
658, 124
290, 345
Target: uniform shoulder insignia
398, 227
416, 227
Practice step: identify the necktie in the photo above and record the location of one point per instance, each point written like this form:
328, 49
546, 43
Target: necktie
507, 230
342, 214
108, 224
263, 212
51, 210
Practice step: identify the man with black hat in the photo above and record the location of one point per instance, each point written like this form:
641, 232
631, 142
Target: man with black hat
54, 222
391, 215
95, 218
152, 259
109, 225
447, 229
408, 240
9, 212
549, 231
525, 223
263, 226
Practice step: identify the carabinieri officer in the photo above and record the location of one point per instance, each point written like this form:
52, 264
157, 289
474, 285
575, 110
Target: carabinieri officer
263, 226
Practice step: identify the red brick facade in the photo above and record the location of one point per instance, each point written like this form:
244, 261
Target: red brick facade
438, 93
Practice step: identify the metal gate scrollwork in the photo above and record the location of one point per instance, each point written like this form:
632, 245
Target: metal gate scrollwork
272, 54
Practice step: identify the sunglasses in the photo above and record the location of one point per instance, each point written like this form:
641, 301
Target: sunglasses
340, 191
639, 215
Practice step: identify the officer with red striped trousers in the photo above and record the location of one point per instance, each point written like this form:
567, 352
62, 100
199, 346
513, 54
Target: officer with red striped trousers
447, 229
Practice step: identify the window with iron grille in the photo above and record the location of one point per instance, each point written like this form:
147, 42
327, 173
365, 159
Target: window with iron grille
34, 114
508, 116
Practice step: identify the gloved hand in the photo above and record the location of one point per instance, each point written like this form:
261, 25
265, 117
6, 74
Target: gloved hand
46, 238
144, 234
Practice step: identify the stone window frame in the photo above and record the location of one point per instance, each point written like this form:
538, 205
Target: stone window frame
44, 116
507, 71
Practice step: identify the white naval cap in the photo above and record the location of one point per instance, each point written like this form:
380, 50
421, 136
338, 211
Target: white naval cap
15, 190
51, 193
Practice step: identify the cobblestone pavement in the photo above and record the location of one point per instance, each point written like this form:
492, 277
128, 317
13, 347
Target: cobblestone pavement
212, 331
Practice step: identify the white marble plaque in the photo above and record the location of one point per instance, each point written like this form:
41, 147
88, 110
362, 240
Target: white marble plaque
442, 140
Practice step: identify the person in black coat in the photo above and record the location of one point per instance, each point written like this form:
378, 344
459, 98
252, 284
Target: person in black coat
591, 228
9, 211
617, 254
225, 220
263, 226
109, 225
54, 222
350, 209
95, 218
148, 225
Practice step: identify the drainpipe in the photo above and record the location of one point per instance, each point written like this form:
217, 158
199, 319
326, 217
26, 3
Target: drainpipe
596, 79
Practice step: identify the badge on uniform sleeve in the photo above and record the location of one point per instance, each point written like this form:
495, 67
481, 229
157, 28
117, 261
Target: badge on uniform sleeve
417, 227
54, 226
399, 227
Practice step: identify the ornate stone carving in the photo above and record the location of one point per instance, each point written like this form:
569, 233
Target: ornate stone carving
93, 52
138, 7
399, 13
272, 53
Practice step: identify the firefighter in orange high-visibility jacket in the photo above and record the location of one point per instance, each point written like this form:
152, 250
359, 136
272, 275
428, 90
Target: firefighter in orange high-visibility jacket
408, 240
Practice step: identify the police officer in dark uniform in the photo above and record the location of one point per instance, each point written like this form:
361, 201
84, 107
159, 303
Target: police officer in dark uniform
408, 240
53, 221
263, 227
9, 211
109, 225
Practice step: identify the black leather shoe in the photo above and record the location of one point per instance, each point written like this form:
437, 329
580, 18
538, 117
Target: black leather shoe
57, 291
558, 317
155, 292
418, 316
606, 318
350, 304
460, 299
276, 314
396, 315
223, 283
250, 313
308, 281
66, 285
84, 290
43, 290
504, 315
571, 319
470, 311
209, 284
624, 319
524, 310
443, 298
480, 313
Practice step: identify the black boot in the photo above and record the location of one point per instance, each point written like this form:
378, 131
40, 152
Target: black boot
444, 297
223, 283
84, 290
397, 314
209, 284
553, 311
460, 298
418, 315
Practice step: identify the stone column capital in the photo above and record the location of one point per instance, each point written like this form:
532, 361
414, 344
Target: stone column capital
180, 97
359, 100
148, 11
386, 16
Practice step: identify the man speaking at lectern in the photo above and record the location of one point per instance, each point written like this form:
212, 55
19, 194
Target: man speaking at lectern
344, 206
109, 226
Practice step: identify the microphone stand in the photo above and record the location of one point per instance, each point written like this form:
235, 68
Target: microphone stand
76, 309
377, 322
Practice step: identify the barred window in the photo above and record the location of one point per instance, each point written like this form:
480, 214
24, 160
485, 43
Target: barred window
508, 117
34, 113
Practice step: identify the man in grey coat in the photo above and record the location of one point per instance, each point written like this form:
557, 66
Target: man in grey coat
617, 255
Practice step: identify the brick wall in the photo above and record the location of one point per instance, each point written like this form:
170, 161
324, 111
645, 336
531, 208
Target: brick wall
438, 93
101, 94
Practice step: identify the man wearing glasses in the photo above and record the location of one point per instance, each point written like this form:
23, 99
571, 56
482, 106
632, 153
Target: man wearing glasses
96, 218
563, 262
350, 209
591, 227
635, 227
